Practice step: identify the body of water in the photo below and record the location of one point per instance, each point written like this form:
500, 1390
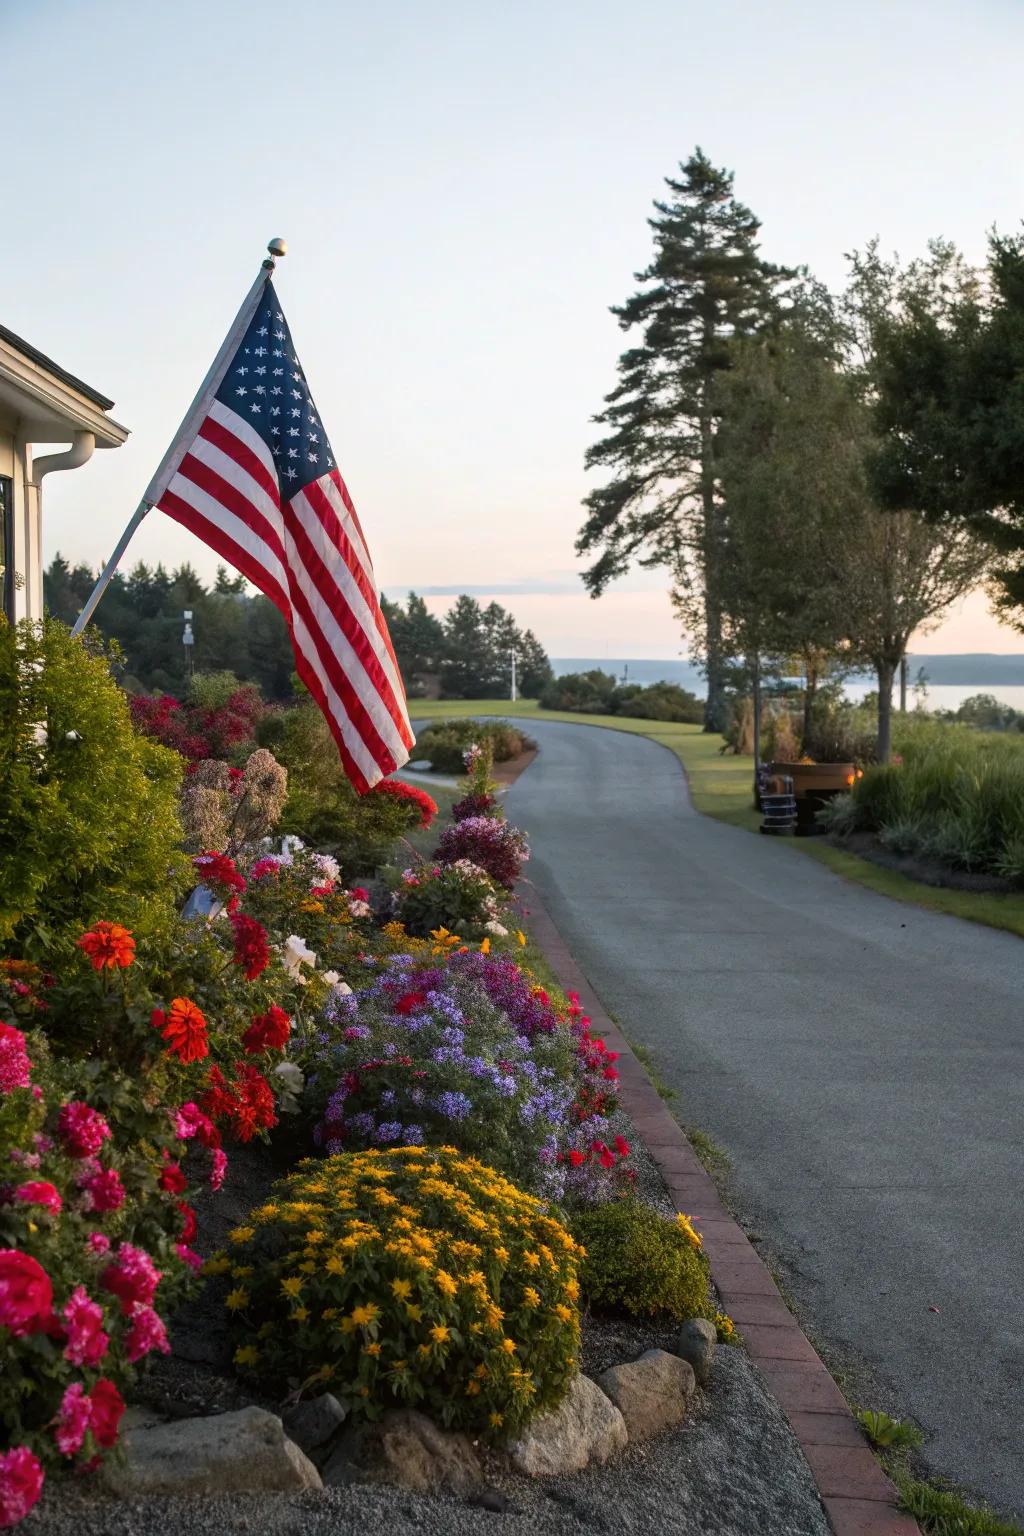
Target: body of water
938, 695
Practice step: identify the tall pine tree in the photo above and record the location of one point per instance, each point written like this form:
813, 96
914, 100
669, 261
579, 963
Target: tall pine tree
705, 285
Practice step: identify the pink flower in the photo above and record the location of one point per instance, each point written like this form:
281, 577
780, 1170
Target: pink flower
87, 1343
133, 1277
107, 1408
218, 1168
105, 1190
21, 1483
264, 867
26, 1294
99, 1242
14, 1063
82, 1129
186, 1256
39, 1192
189, 1122
73, 1419
146, 1332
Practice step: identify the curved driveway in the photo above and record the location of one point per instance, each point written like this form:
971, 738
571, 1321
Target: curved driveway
861, 1061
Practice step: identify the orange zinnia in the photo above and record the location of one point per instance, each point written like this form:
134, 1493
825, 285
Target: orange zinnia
109, 946
184, 1029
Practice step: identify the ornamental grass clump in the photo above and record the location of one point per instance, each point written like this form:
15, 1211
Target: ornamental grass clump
493, 845
641, 1263
412, 1277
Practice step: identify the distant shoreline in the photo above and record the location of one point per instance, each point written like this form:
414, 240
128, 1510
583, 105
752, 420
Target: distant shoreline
982, 671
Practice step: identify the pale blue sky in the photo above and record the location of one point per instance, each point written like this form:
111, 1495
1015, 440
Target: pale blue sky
464, 188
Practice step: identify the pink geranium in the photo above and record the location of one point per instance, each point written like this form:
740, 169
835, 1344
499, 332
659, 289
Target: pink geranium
107, 1408
21, 1483
73, 1420
87, 1342
82, 1129
218, 1167
104, 1190
146, 1333
15, 1066
132, 1277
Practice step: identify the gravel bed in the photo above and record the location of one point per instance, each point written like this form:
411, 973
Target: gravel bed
733, 1469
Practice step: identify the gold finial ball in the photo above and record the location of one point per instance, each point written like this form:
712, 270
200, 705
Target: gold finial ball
277, 247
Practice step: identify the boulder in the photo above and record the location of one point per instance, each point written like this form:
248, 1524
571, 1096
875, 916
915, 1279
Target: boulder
652, 1393
407, 1448
698, 1340
315, 1421
585, 1427
244, 1452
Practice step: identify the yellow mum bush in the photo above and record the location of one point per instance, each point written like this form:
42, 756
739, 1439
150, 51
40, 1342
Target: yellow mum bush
407, 1276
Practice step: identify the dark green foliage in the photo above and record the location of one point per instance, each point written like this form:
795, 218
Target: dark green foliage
597, 693
641, 1263
705, 285
444, 744
88, 809
951, 403
143, 612
478, 646
322, 808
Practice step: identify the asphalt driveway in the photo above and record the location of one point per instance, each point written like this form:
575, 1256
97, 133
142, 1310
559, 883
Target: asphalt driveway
861, 1061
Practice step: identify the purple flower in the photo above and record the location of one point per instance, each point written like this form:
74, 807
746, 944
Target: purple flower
413, 1135
391, 1130
453, 1105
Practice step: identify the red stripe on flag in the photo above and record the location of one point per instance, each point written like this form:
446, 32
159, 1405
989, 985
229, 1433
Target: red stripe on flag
233, 500
222, 542
217, 434
351, 626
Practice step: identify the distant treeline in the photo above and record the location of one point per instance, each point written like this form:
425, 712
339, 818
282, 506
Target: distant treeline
468, 654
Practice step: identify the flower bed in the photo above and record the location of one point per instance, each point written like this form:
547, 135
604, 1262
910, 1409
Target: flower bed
460, 1110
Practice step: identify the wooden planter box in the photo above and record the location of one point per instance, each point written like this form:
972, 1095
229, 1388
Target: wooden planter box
813, 784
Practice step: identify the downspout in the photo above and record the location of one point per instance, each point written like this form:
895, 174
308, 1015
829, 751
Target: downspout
80, 452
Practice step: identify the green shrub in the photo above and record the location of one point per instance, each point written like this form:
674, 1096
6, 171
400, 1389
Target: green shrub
839, 815
588, 693
460, 897
88, 808
412, 1276
660, 701
322, 807
445, 743
642, 1263
885, 1432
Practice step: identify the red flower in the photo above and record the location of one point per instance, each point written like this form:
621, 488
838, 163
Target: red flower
622, 1146
247, 1105
109, 946
26, 1295
268, 1031
417, 800
21, 1483
172, 1179
184, 1029
410, 1000
252, 952
359, 893
577, 1159
107, 1408
217, 869
39, 1192
191, 1226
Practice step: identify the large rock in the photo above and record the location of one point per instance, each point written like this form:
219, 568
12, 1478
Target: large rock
244, 1452
652, 1393
407, 1448
585, 1427
698, 1340
315, 1421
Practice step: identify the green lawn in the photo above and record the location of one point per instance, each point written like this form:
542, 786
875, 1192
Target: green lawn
721, 786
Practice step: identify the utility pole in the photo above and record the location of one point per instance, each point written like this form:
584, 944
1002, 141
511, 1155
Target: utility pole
514, 690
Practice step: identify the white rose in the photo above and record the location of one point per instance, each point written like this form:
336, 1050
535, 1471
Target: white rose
295, 955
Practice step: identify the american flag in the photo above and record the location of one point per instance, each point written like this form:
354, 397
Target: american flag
259, 484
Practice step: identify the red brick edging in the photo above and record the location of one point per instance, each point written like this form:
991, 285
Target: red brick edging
859, 1498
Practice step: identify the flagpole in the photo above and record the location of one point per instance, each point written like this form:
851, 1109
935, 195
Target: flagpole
185, 435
